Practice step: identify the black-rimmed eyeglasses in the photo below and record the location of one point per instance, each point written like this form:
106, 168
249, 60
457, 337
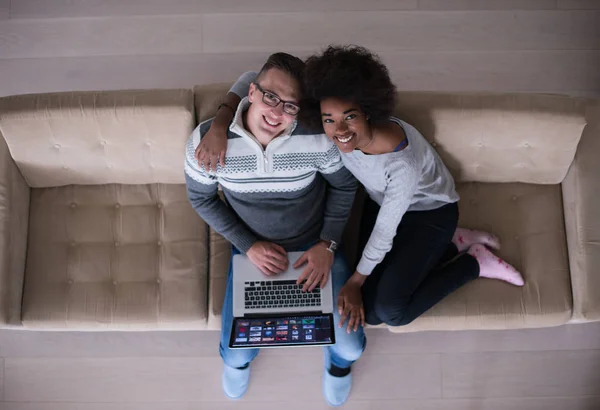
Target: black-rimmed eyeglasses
272, 100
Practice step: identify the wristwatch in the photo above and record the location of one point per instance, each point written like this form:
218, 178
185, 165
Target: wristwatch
332, 246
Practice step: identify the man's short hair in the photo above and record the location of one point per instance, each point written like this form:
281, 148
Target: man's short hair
285, 62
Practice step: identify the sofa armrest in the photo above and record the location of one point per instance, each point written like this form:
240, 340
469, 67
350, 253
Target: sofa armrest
14, 219
581, 200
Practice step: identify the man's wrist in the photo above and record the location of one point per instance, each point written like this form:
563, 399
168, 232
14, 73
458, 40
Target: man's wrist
330, 245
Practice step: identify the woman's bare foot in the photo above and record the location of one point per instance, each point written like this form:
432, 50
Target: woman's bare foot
465, 238
492, 267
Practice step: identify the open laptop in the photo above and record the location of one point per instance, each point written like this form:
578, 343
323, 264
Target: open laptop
272, 311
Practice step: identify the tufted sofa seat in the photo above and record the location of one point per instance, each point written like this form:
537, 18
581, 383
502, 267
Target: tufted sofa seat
110, 239
115, 256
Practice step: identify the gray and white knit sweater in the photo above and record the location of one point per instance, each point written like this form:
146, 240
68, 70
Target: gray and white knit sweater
293, 193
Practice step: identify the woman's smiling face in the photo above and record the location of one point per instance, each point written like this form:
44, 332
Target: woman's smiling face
345, 124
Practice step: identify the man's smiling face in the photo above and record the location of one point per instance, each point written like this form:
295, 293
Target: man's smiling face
266, 122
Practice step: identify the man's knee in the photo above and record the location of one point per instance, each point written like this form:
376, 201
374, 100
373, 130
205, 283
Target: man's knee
351, 346
236, 357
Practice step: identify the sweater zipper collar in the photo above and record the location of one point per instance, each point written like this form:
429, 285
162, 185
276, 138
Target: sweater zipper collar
237, 126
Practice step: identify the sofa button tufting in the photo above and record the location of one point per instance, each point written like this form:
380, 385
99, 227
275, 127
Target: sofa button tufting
117, 206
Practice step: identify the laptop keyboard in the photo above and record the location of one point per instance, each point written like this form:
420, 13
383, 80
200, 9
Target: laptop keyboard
279, 294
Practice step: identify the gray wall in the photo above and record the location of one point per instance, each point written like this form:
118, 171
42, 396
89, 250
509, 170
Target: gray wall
548, 46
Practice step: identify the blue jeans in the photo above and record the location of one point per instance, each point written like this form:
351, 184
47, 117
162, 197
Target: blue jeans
346, 350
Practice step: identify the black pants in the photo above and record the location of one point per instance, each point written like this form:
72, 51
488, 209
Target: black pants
422, 268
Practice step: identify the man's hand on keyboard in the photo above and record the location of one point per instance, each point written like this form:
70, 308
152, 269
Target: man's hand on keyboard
269, 257
318, 262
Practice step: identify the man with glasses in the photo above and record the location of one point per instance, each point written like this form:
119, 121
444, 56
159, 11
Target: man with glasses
286, 190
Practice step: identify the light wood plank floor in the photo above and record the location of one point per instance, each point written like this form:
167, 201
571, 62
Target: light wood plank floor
541, 46
554, 368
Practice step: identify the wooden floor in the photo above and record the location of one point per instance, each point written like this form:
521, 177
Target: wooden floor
542, 369
544, 46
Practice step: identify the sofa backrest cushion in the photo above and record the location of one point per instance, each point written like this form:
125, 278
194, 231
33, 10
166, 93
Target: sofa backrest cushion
89, 138
485, 137
482, 137
207, 99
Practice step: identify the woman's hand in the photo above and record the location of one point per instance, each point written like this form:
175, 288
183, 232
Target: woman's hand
212, 148
350, 305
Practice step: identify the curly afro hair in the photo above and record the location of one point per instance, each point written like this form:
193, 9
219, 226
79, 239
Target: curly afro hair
350, 73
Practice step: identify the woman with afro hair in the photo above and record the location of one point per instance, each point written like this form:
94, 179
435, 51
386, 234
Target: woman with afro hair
412, 253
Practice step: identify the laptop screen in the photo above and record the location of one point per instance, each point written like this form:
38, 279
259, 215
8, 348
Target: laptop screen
279, 331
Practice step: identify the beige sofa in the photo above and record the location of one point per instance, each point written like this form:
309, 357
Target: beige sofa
97, 234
